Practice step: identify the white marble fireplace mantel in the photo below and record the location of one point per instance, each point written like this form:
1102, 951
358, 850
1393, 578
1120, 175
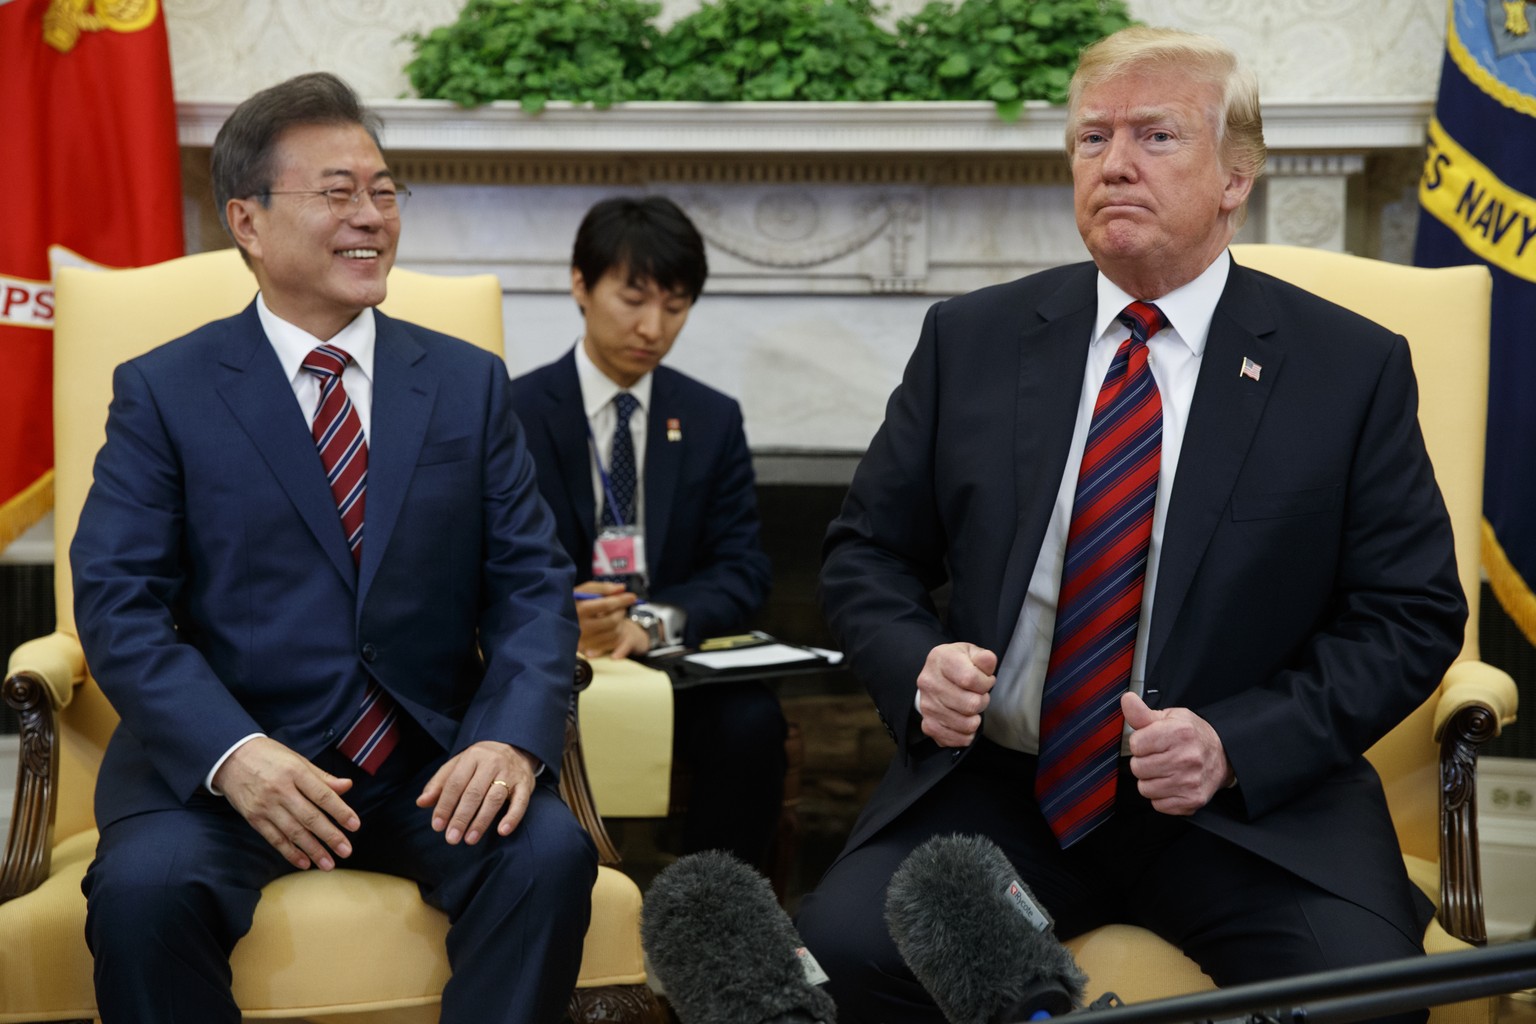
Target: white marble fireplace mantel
1354, 125
830, 226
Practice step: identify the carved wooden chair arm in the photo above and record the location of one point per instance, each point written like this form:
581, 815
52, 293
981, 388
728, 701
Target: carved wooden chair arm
40, 680
575, 788
1476, 701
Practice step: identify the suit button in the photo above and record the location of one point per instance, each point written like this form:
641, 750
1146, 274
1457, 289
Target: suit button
370, 652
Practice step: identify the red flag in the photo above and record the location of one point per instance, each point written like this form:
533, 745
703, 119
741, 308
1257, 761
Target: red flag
88, 135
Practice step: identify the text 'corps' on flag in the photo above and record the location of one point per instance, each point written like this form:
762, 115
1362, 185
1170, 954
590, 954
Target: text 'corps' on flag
1477, 207
88, 131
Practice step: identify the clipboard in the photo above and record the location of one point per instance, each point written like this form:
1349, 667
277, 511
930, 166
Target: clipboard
751, 655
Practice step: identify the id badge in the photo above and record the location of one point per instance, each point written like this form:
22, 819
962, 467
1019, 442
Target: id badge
619, 551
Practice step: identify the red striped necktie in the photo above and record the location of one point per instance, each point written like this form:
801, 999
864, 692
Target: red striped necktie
1101, 586
338, 433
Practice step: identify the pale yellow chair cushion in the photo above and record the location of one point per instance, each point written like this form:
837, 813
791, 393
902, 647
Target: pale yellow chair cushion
45, 967
1138, 966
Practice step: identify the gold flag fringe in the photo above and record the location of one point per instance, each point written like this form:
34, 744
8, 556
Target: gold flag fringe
26, 508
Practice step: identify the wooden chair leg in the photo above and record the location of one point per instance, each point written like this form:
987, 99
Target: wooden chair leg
785, 850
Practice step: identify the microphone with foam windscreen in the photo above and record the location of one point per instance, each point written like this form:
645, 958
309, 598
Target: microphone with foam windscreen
725, 952
975, 937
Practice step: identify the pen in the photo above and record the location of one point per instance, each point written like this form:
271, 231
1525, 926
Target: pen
582, 595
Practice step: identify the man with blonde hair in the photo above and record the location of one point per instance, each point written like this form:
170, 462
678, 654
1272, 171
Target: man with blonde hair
1197, 559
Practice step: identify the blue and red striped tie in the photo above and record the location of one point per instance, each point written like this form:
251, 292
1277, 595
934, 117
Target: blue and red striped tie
1101, 586
338, 433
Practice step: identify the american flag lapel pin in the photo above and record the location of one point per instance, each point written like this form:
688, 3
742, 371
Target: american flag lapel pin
674, 429
1250, 369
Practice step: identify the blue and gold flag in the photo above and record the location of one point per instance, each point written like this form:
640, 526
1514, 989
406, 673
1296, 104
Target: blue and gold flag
1477, 206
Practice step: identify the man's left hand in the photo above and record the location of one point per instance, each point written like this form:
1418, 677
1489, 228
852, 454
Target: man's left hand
473, 785
1176, 756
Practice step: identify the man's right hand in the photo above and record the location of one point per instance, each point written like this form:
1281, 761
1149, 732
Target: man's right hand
604, 620
953, 690
294, 805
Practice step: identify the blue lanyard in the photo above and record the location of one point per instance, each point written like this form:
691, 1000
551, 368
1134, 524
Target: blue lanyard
602, 474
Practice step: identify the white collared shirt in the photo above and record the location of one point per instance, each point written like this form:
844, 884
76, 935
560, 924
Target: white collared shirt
293, 344
1174, 354
597, 394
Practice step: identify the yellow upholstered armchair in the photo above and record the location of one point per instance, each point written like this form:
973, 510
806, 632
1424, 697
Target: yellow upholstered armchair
1428, 763
305, 919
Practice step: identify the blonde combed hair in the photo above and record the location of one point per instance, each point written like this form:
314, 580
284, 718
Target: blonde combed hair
1239, 126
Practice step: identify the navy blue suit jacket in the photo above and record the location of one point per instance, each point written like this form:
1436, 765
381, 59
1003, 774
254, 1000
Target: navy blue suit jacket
1307, 597
215, 595
701, 522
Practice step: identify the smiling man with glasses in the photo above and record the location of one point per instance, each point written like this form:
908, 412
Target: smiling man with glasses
311, 669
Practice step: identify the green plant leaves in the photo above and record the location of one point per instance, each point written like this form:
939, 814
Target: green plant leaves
609, 51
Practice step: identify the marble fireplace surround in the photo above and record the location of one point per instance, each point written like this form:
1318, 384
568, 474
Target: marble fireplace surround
831, 227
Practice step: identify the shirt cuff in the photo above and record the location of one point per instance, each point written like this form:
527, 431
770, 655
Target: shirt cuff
208, 779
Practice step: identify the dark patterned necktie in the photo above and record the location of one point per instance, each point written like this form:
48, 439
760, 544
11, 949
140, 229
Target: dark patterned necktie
1101, 586
338, 433
621, 465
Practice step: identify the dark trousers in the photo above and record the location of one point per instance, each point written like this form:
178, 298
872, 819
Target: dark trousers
731, 737
1239, 917
172, 891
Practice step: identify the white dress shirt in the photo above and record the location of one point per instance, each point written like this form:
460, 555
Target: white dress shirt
1013, 717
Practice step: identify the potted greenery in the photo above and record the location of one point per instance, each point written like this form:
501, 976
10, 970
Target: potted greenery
610, 51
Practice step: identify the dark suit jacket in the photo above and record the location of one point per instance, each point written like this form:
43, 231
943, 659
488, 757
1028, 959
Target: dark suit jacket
1307, 597
701, 523
215, 596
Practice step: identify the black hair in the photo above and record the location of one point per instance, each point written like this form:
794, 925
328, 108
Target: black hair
649, 237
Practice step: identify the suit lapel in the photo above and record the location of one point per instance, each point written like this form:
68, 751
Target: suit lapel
1053, 350
1223, 417
252, 384
403, 395
663, 465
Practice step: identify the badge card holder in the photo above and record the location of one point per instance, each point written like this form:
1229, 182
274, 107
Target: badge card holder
618, 551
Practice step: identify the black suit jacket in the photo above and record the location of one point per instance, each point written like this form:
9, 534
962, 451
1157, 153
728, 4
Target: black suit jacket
701, 522
1307, 597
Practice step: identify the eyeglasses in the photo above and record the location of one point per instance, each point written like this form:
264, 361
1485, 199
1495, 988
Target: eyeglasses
345, 203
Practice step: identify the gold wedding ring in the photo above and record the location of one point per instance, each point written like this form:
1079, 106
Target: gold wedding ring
498, 782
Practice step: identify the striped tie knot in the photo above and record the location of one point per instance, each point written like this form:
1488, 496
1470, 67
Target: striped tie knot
1143, 319
328, 363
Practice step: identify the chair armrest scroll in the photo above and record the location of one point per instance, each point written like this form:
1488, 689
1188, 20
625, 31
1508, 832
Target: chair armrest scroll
575, 788
42, 678
56, 661
1477, 700
1469, 683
